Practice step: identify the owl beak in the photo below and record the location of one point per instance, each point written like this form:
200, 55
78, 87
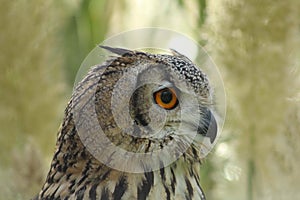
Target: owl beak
208, 127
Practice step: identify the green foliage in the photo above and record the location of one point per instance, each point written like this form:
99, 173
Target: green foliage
201, 6
31, 103
85, 28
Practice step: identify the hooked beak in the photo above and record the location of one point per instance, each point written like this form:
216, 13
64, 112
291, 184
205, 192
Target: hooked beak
208, 127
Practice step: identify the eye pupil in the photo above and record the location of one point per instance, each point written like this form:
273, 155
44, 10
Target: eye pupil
166, 96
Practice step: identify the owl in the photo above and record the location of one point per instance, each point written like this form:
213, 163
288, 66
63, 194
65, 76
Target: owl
137, 127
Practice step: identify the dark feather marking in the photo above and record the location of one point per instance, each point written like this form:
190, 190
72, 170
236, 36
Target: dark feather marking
92, 192
51, 179
82, 179
195, 154
173, 181
198, 184
120, 188
197, 181
140, 119
104, 176
191, 171
167, 192
145, 187
161, 145
85, 172
162, 171
80, 193
53, 194
104, 195
148, 146
163, 177
68, 176
189, 188
110, 73
44, 190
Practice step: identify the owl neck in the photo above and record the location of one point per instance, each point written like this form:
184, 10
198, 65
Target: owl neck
76, 173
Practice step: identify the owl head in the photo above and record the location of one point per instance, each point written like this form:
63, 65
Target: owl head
142, 111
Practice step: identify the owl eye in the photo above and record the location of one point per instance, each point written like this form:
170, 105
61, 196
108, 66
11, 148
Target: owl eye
166, 98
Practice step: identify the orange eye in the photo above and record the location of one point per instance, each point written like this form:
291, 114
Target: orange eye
166, 98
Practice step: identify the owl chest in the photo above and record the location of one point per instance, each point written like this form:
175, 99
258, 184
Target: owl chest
165, 184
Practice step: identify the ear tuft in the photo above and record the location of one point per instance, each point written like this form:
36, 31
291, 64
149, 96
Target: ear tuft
115, 50
176, 53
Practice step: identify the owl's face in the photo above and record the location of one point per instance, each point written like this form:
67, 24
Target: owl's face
152, 107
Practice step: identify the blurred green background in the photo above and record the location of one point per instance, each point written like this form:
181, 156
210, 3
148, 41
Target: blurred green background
255, 44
